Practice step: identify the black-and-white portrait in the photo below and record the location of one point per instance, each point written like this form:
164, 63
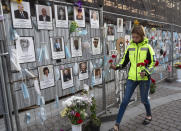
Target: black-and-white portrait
25, 49
128, 27
21, 15
44, 17
61, 16
119, 25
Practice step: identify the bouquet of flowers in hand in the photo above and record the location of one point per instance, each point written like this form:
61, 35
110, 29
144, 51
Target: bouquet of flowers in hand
153, 82
75, 109
114, 59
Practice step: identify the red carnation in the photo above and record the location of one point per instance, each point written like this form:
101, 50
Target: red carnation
77, 114
164, 54
157, 63
140, 64
152, 80
152, 37
146, 61
113, 56
79, 121
179, 66
110, 61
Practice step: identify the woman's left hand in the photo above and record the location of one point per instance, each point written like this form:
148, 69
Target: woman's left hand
142, 74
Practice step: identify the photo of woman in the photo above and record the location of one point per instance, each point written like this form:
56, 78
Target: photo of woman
83, 70
79, 16
98, 76
94, 19
46, 76
61, 16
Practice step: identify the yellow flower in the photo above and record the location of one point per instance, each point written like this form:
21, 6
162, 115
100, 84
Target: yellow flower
64, 112
136, 22
18, 1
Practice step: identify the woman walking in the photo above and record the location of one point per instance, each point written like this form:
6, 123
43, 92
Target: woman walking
138, 51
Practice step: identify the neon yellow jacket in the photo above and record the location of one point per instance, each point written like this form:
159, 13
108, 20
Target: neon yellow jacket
137, 53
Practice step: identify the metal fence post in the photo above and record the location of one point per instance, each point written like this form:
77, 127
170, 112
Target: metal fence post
6, 66
4, 97
103, 53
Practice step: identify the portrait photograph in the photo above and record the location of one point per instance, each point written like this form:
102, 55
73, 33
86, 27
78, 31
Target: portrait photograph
21, 15
61, 16
159, 34
94, 19
128, 27
25, 49
44, 17
67, 78
98, 76
83, 70
46, 76
96, 46
120, 25
127, 41
76, 47
79, 16
110, 32
57, 47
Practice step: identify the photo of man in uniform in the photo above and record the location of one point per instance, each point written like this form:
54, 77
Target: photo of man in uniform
58, 45
44, 16
20, 13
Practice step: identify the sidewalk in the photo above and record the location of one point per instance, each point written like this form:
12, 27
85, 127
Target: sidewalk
166, 111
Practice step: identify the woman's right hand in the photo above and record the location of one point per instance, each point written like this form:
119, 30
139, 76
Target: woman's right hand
113, 67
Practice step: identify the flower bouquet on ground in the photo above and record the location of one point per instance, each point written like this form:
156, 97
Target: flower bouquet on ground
178, 67
75, 109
